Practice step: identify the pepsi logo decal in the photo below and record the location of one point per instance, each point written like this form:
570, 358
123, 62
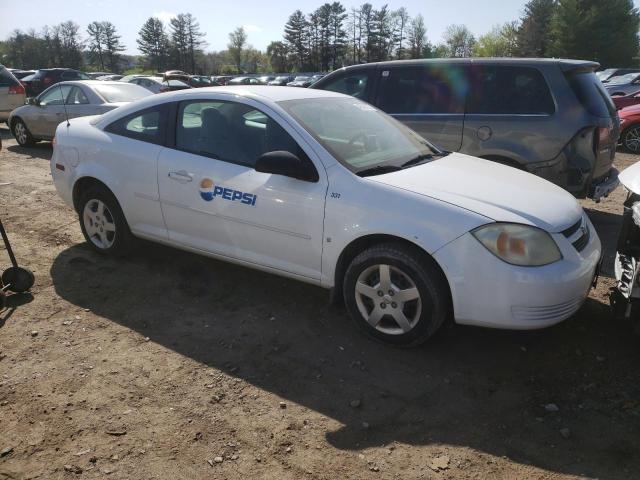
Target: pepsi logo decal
209, 191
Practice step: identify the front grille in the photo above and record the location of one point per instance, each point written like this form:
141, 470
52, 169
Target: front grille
580, 243
583, 238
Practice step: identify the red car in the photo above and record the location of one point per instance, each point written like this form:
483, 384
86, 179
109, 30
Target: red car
622, 101
630, 128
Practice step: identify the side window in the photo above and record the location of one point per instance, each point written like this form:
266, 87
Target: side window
507, 90
422, 90
355, 84
147, 125
56, 95
6, 80
230, 131
76, 97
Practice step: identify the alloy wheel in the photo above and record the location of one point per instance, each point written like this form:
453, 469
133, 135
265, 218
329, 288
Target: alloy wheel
632, 140
388, 299
20, 131
99, 224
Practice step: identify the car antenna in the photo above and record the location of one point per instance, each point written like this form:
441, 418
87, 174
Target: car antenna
64, 104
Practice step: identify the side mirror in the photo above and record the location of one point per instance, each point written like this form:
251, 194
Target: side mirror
285, 163
33, 101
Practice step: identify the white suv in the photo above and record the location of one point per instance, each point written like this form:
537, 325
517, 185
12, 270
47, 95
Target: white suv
324, 188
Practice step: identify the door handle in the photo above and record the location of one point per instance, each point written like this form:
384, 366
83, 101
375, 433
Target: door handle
182, 176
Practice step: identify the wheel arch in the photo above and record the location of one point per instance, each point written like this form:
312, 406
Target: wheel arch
82, 184
358, 245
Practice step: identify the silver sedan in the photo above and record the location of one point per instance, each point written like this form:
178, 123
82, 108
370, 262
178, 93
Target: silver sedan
38, 119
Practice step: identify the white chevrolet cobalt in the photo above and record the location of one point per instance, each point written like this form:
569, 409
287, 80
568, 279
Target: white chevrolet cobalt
324, 188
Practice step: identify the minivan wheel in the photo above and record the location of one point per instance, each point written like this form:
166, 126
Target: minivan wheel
22, 134
102, 222
631, 139
395, 295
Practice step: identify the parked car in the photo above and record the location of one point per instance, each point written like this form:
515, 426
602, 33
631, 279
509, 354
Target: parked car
549, 117
12, 93
19, 74
97, 75
199, 81
630, 128
281, 80
626, 294
159, 84
324, 188
624, 84
128, 78
222, 79
45, 77
622, 101
244, 81
265, 79
112, 78
39, 118
300, 81
611, 73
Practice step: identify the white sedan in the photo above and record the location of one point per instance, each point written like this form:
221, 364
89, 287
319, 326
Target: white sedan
326, 189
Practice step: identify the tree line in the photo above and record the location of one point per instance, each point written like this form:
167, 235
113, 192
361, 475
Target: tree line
332, 36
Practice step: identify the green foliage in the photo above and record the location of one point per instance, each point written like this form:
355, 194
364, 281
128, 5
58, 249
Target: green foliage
500, 41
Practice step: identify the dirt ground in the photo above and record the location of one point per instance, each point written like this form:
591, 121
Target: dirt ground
167, 365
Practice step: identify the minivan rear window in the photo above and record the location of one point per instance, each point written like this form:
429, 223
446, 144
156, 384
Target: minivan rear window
591, 94
508, 90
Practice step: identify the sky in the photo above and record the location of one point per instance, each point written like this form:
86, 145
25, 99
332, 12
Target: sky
262, 19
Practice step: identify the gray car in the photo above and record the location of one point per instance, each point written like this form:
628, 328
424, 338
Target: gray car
38, 119
550, 117
624, 84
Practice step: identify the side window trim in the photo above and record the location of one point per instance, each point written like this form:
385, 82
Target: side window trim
113, 126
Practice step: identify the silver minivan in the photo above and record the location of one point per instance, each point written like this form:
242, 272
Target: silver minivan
550, 117
12, 93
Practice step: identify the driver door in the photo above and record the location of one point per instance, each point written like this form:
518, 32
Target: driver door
214, 200
50, 111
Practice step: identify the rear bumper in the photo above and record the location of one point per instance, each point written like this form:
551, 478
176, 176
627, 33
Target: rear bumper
604, 186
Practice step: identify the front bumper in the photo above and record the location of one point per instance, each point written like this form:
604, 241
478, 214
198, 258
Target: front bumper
491, 293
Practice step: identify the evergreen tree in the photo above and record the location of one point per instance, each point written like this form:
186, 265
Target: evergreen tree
154, 43
195, 40
96, 40
112, 46
417, 36
179, 45
534, 34
295, 37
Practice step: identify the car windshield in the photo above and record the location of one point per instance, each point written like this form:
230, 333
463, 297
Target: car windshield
301, 79
127, 92
628, 78
358, 135
604, 74
280, 79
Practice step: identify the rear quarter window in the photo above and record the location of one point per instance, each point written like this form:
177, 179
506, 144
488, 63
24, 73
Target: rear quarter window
591, 94
508, 90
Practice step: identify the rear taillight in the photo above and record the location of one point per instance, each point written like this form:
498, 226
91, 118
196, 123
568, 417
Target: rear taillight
16, 89
604, 135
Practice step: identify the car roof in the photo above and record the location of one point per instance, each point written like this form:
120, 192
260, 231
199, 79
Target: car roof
563, 63
261, 93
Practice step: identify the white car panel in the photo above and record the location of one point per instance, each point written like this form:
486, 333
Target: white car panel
300, 229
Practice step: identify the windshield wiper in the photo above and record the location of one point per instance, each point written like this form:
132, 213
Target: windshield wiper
423, 158
378, 170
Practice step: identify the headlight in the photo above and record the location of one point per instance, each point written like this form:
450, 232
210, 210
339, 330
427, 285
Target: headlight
518, 244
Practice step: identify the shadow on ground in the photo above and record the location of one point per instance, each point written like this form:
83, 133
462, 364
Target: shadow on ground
608, 225
482, 389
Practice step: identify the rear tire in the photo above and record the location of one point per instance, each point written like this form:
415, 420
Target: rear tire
396, 295
22, 134
631, 139
102, 222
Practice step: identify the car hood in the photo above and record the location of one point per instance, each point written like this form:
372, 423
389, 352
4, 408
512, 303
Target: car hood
630, 178
499, 192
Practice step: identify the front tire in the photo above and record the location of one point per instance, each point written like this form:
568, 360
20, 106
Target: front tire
102, 222
631, 139
396, 295
22, 134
